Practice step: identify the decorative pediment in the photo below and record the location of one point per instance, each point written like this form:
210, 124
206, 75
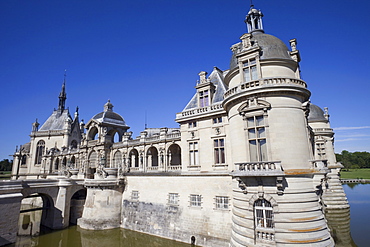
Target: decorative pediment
253, 104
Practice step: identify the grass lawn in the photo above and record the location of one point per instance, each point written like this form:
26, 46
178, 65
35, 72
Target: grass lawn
356, 173
5, 175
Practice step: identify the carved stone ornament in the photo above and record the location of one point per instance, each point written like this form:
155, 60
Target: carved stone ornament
306, 108
253, 104
246, 40
242, 185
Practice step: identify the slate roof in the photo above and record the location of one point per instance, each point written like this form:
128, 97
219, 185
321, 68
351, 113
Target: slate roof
271, 46
56, 121
216, 78
316, 114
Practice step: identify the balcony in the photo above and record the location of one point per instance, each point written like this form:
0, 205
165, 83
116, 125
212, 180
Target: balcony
264, 82
199, 111
254, 169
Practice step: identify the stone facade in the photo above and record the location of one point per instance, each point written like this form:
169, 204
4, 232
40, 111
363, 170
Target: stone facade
252, 163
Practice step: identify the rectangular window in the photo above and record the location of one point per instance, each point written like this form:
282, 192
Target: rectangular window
203, 98
192, 124
250, 70
320, 149
217, 120
134, 195
195, 200
193, 153
173, 198
219, 151
222, 202
257, 138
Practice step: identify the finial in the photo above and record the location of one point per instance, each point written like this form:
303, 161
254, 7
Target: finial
254, 20
62, 94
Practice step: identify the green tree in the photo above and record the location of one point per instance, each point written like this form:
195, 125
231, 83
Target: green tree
6, 165
354, 160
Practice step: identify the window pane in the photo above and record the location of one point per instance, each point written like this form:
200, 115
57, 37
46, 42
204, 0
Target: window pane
251, 133
222, 154
215, 143
196, 158
246, 74
253, 150
260, 121
250, 122
263, 149
252, 61
254, 73
221, 142
261, 132
217, 160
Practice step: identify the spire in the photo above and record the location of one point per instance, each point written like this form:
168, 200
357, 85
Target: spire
254, 20
63, 95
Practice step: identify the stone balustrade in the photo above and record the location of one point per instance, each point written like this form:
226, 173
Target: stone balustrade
198, 111
263, 82
323, 130
263, 168
174, 168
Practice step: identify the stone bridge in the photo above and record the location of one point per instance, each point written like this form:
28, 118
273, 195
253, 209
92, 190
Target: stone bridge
56, 195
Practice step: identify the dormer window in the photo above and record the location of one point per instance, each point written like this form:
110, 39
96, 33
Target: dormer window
204, 98
250, 70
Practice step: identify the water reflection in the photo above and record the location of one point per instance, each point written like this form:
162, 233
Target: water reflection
338, 220
77, 237
359, 199
339, 224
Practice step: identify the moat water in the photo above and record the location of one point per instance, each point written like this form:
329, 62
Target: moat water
358, 196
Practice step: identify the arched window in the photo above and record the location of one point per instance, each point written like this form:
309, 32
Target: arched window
24, 159
152, 157
74, 144
39, 151
264, 220
116, 137
117, 159
93, 159
133, 158
73, 162
174, 155
93, 133
56, 165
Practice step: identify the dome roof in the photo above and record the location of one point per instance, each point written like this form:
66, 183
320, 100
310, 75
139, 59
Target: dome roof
271, 47
316, 114
108, 116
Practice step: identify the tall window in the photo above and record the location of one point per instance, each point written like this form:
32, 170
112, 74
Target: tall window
257, 138
173, 198
195, 200
204, 98
320, 149
193, 153
192, 124
134, 195
250, 70
222, 202
217, 120
219, 151
263, 214
39, 151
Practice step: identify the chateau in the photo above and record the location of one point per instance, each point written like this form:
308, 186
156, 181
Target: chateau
252, 163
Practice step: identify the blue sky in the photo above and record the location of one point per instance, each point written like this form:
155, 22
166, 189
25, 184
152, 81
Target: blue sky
145, 57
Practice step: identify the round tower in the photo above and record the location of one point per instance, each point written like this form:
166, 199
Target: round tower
274, 195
